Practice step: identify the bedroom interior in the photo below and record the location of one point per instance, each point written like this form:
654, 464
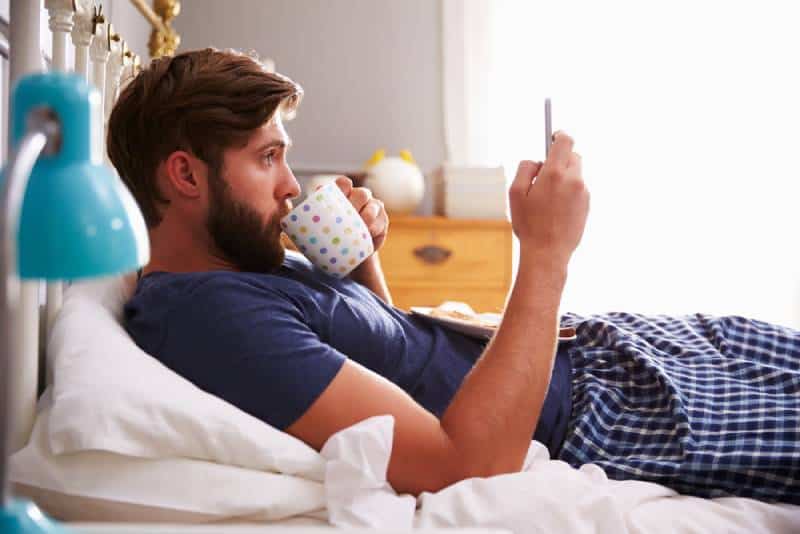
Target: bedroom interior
100, 452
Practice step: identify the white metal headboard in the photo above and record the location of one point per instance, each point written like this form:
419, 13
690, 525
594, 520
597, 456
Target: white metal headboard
79, 29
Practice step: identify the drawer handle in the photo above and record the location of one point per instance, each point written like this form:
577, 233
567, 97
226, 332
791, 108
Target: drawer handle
432, 254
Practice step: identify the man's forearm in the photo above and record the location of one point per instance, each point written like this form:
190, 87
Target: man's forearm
491, 419
370, 275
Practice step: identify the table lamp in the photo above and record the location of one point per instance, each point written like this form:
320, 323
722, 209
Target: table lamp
64, 216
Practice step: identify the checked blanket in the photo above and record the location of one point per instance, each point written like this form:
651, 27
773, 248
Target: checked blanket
709, 406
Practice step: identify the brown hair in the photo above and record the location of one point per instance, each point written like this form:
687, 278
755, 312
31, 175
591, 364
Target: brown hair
201, 101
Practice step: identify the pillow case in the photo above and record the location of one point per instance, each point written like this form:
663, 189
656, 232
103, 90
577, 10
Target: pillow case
105, 486
108, 395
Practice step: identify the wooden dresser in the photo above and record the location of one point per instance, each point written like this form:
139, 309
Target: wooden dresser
428, 260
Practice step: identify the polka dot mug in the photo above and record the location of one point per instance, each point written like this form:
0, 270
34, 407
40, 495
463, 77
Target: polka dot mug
326, 228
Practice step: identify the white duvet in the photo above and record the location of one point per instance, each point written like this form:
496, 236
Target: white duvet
350, 490
548, 496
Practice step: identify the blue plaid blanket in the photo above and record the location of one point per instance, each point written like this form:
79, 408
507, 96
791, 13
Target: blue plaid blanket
709, 406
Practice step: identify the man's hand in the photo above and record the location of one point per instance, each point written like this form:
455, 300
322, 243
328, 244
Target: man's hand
369, 273
549, 203
369, 208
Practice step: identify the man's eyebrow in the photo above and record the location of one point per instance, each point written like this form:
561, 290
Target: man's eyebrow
275, 143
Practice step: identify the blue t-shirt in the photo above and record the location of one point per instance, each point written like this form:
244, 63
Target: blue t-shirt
271, 343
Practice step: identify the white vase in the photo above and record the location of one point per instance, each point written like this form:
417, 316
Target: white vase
398, 183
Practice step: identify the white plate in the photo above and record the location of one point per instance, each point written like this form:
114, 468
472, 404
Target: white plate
465, 327
474, 330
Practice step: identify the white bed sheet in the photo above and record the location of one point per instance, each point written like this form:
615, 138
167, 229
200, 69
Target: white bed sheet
281, 527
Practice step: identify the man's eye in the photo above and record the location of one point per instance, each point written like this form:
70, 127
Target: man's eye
269, 157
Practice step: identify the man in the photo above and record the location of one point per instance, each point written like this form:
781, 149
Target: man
709, 406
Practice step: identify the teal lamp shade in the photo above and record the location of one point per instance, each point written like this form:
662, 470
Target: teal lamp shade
78, 220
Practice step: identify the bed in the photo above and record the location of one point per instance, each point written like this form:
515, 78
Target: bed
116, 442
119, 437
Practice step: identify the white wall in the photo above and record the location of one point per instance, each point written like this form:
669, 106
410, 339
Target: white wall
371, 70
130, 24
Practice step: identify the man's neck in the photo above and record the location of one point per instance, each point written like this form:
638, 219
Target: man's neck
170, 252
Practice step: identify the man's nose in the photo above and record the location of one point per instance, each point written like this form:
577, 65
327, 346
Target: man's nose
291, 187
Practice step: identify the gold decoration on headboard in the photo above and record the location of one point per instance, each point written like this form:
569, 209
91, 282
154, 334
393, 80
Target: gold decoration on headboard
112, 36
97, 17
164, 40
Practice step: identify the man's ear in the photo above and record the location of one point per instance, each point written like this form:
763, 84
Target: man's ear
185, 173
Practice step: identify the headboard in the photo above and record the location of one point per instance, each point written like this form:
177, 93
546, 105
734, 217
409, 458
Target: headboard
83, 41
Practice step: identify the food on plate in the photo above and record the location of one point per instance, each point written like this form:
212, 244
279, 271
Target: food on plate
485, 320
445, 313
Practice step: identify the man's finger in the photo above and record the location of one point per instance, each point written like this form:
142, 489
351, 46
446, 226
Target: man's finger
360, 197
560, 150
526, 172
377, 226
345, 184
575, 162
370, 211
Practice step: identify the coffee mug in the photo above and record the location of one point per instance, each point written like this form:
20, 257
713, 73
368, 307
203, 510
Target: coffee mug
327, 230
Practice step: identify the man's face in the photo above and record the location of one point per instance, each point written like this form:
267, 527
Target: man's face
247, 202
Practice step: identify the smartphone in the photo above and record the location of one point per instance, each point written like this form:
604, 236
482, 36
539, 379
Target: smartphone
548, 127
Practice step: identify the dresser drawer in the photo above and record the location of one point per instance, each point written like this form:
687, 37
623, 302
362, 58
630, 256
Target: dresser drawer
440, 252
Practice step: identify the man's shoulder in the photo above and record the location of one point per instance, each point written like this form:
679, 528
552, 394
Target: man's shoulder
211, 293
202, 304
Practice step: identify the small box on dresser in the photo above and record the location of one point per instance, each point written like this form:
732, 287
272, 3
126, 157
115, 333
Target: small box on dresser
428, 260
470, 192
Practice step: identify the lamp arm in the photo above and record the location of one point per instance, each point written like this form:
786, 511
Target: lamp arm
18, 173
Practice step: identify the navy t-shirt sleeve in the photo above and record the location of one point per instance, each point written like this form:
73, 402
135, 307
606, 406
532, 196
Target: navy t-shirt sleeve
251, 346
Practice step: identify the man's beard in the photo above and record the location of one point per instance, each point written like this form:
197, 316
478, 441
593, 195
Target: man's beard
240, 233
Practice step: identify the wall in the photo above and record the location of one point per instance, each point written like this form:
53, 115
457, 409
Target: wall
371, 70
130, 24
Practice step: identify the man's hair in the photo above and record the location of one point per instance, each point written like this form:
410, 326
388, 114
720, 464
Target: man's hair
200, 101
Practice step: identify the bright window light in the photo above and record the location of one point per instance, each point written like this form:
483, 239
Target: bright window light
687, 115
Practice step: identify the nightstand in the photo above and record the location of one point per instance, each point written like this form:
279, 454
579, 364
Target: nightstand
427, 260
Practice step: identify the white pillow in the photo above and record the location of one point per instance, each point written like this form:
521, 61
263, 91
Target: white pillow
105, 486
109, 395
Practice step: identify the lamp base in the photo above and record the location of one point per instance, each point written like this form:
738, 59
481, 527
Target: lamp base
24, 517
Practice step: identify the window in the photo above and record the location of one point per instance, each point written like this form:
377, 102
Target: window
687, 115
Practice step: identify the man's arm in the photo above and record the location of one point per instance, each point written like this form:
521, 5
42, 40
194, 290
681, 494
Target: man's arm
487, 428
370, 275
504, 393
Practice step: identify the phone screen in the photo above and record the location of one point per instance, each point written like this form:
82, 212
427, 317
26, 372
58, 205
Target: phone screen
548, 127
